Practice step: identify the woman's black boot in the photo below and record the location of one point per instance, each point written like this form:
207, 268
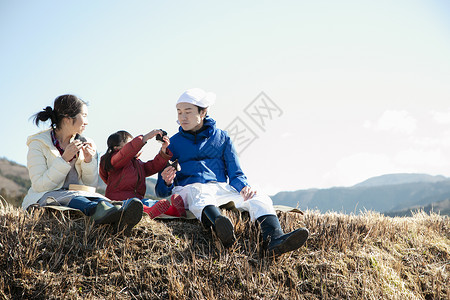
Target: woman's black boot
211, 217
131, 213
277, 242
105, 213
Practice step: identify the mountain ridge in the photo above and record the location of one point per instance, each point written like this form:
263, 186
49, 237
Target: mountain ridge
399, 178
371, 194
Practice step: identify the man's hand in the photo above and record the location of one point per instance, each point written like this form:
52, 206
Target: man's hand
168, 175
247, 193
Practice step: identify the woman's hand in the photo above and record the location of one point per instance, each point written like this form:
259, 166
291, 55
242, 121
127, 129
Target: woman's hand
247, 193
165, 144
168, 175
88, 151
151, 135
72, 150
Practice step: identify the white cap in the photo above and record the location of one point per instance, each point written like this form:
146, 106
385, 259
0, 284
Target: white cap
197, 97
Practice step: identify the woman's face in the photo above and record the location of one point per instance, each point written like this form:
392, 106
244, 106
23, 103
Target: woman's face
189, 117
78, 125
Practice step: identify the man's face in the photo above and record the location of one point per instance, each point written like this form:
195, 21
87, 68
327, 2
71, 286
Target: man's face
189, 117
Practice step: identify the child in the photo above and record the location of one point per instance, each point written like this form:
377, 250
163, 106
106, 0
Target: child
124, 173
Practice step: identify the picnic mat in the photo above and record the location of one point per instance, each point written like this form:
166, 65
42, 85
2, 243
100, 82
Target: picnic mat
189, 215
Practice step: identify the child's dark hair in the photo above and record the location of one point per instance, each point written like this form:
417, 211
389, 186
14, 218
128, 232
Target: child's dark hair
114, 140
64, 106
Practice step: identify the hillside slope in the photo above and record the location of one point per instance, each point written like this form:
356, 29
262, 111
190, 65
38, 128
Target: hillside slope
368, 256
14, 181
13, 177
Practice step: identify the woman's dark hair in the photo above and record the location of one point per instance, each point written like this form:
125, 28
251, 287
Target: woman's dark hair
64, 106
114, 140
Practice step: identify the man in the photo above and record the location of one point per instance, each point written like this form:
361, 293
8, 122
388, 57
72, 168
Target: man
211, 176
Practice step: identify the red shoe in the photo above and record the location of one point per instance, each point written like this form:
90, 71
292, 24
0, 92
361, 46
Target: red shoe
157, 209
176, 209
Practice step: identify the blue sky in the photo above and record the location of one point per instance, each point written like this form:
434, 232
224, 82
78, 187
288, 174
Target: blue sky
362, 86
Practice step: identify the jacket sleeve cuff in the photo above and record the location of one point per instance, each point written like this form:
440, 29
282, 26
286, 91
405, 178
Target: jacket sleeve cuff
238, 185
162, 190
141, 138
166, 155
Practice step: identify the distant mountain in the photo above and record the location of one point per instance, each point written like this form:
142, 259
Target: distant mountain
441, 207
386, 193
400, 178
151, 183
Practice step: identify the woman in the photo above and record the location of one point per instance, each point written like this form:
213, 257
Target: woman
60, 156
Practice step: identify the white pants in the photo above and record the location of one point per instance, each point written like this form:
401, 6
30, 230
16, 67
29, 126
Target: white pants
198, 195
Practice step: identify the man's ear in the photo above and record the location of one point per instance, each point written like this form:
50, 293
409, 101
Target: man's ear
204, 112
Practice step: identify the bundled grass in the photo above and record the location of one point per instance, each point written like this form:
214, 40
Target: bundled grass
52, 256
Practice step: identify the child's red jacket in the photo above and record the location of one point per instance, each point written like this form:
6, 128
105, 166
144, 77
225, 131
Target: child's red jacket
127, 179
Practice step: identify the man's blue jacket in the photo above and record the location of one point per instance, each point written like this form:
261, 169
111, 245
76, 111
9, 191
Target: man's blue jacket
204, 156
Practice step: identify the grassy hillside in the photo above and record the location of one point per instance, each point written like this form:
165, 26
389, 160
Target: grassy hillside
369, 256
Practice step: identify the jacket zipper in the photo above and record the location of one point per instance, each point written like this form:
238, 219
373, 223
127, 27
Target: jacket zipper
138, 178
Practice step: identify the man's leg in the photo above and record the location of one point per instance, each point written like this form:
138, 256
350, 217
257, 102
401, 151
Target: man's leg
201, 201
275, 240
222, 226
261, 209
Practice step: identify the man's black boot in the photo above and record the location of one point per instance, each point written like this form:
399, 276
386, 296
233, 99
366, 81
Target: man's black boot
211, 217
278, 242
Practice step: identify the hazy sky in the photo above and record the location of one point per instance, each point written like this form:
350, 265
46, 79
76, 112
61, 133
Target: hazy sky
352, 89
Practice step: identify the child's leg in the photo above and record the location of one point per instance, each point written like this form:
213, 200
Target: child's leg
157, 209
176, 208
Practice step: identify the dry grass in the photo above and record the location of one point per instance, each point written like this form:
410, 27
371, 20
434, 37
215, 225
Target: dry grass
45, 256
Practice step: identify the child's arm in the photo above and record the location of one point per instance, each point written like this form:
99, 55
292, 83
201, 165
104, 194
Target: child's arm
128, 151
151, 135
